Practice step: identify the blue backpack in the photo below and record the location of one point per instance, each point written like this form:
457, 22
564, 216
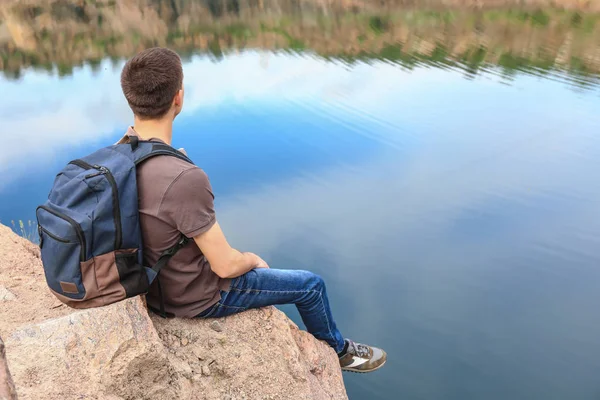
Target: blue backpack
89, 228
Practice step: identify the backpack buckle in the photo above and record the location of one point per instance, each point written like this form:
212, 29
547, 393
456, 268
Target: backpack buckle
170, 252
183, 241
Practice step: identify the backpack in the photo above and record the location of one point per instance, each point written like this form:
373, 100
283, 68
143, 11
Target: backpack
89, 228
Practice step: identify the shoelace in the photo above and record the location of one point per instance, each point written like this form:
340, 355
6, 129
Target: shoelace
359, 350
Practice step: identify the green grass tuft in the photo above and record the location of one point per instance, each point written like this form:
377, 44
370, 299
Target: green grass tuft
27, 230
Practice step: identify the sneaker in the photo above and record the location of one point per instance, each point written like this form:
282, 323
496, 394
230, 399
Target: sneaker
362, 358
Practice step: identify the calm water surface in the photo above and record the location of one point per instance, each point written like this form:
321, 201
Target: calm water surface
451, 205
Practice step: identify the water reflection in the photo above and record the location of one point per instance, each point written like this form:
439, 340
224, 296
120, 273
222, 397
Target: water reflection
60, 35
463, 211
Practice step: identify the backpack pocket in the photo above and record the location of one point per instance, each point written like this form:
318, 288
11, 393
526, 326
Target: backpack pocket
132, 275
117, 275
63, 248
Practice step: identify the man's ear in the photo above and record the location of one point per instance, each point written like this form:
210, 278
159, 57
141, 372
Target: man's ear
178, 101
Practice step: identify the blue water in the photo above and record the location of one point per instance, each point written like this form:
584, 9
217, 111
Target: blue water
455, 220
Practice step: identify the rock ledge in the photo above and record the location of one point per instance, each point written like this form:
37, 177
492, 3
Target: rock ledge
121, 352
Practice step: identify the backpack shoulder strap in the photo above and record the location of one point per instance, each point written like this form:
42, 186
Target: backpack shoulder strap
142, 150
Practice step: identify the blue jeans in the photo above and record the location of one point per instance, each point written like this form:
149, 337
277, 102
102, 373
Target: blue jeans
265, 287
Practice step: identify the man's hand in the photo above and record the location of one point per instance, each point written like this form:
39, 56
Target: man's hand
224, 260
260, 263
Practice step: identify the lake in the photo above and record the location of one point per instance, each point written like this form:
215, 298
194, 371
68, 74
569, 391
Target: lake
437, 166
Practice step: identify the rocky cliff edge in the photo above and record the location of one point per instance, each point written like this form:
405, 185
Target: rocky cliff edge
122, 352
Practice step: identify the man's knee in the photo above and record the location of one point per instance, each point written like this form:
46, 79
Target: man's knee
314, 281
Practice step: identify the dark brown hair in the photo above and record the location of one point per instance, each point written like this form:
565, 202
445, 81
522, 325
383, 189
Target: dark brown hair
150, 81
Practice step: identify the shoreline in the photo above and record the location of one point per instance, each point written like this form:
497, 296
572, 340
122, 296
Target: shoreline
515, 39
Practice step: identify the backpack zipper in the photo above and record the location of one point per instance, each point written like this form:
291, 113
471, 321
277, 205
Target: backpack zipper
81, 164
116, 208
115, 195
74, 224
53, 236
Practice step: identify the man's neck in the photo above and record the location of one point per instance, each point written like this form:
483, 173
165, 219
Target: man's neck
155, 129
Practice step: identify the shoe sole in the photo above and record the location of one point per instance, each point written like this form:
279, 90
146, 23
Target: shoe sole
363, 372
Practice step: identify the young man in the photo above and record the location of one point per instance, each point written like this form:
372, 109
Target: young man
208, 278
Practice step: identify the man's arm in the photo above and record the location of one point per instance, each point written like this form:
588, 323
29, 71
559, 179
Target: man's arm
188, 204
224, 260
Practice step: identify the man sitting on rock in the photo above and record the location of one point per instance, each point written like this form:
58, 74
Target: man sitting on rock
208, 278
